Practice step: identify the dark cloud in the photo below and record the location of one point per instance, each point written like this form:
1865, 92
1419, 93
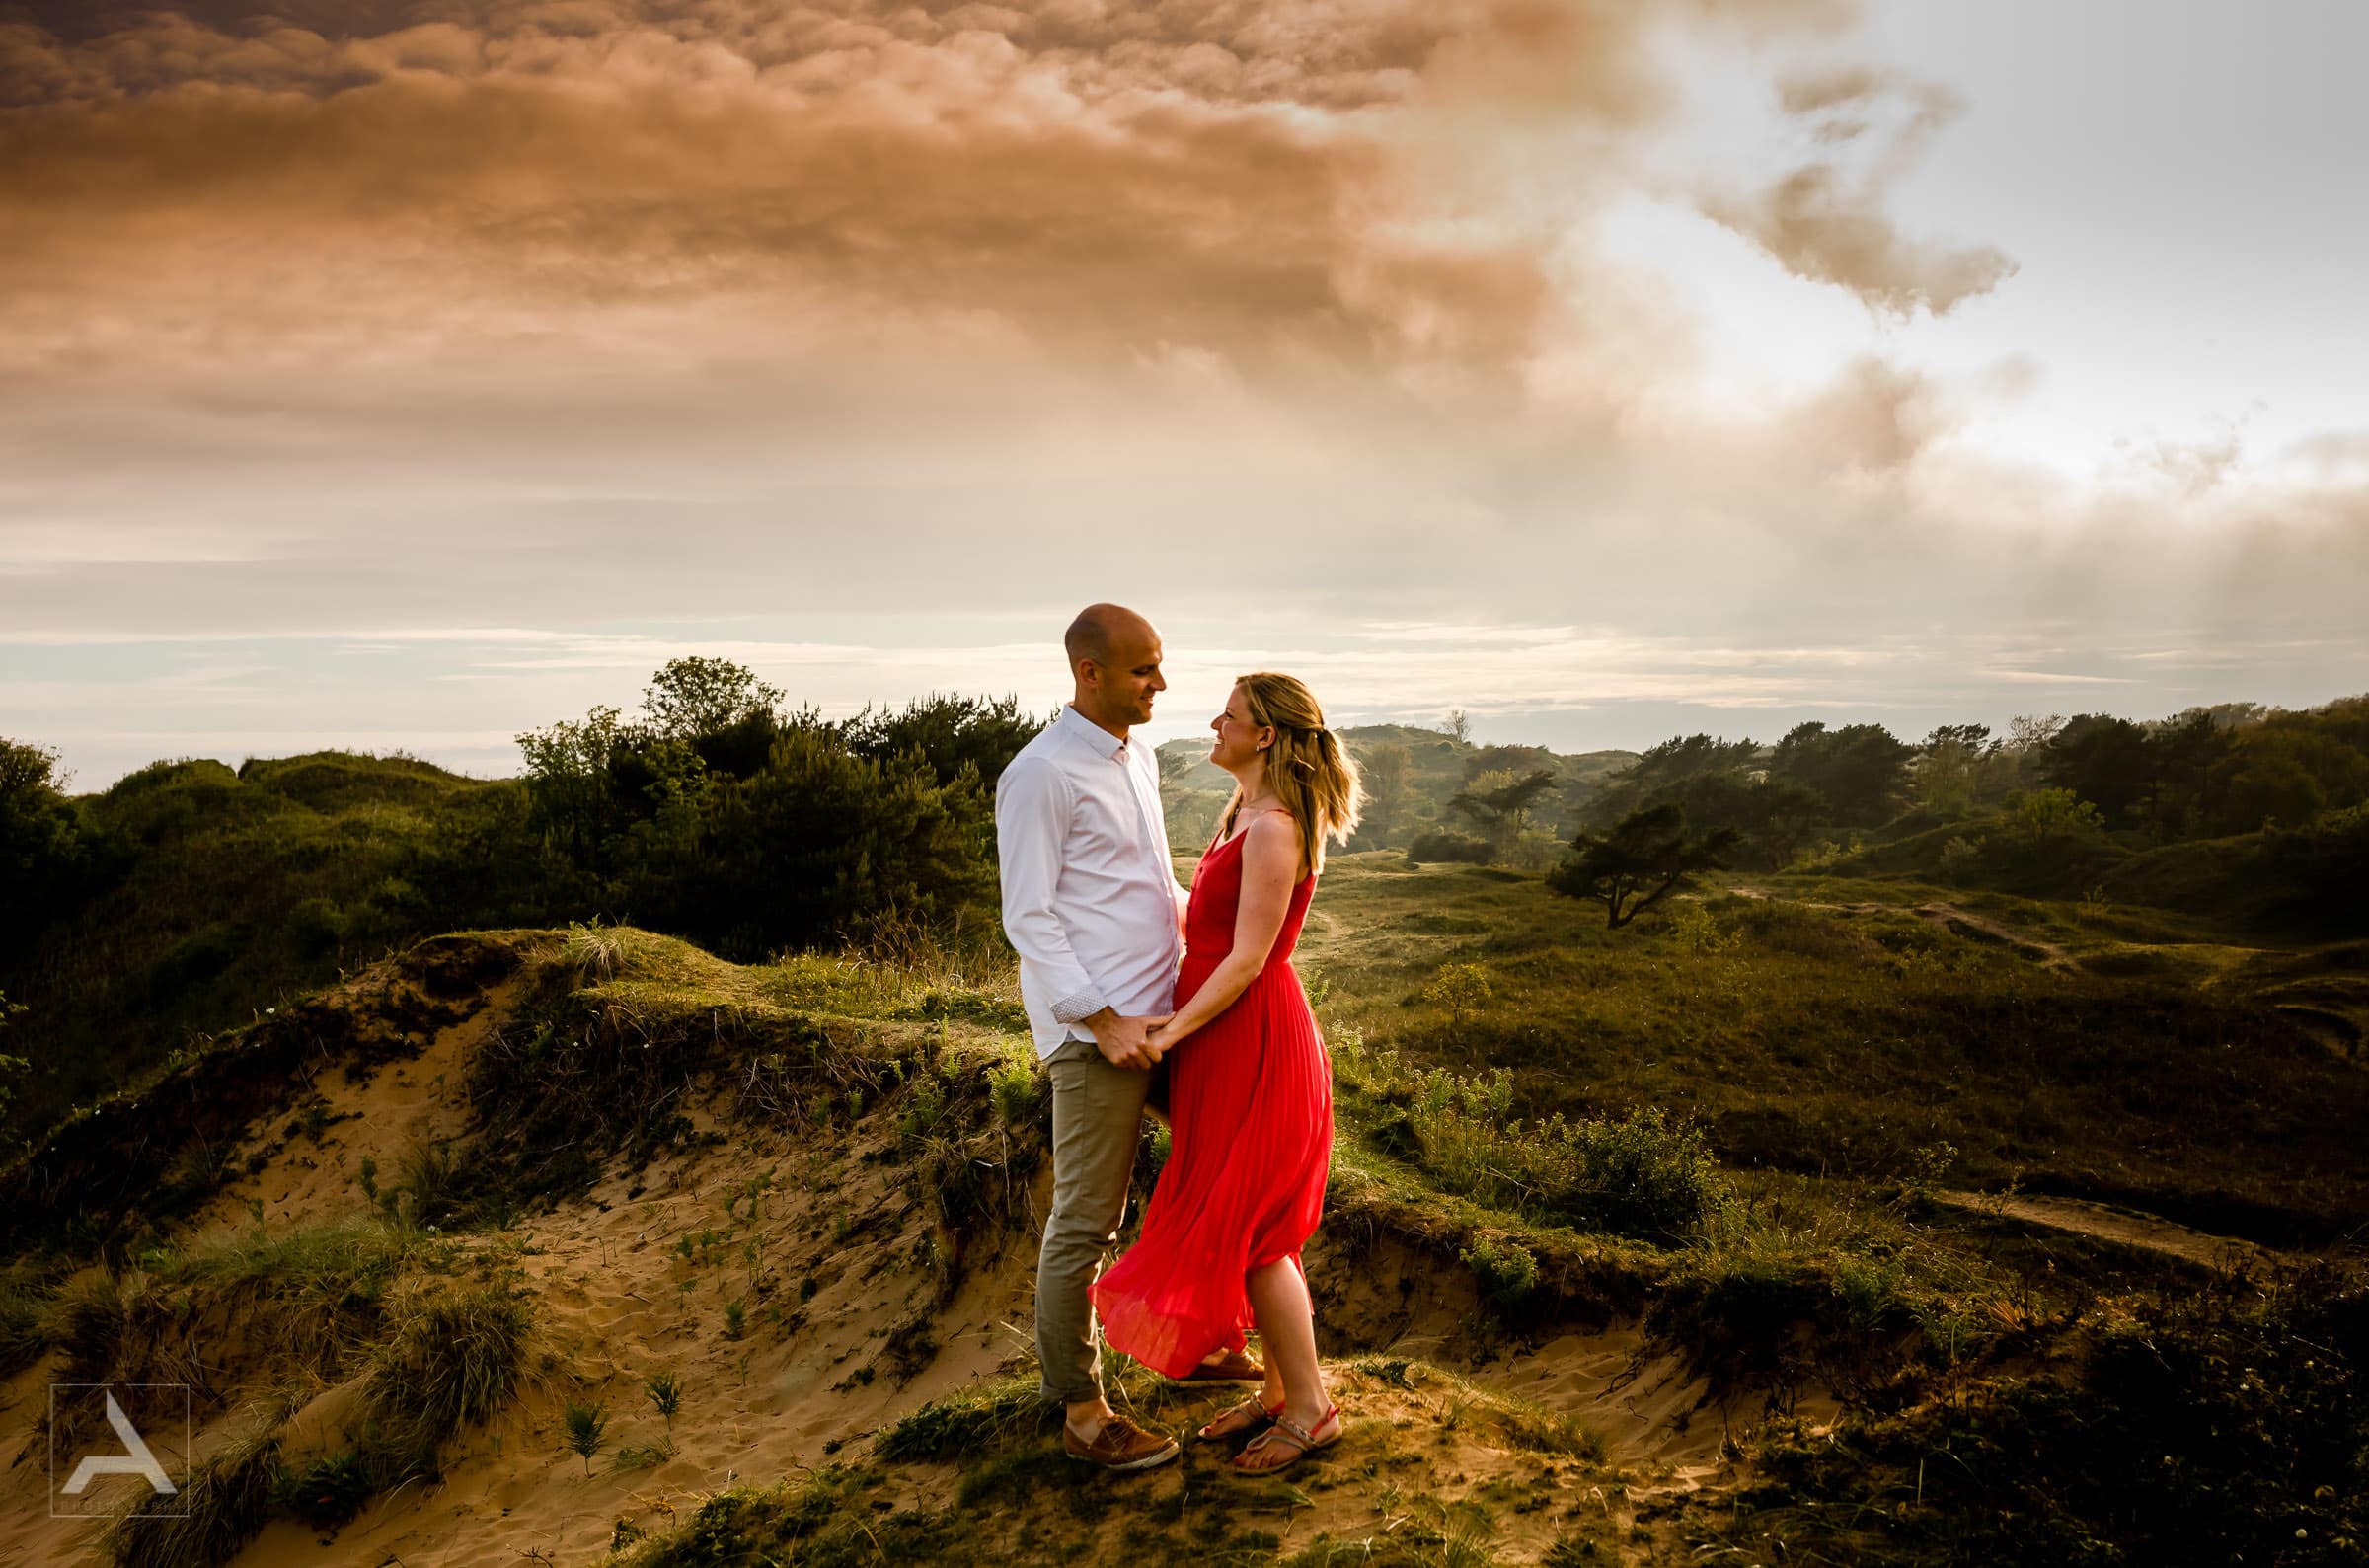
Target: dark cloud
1109, 178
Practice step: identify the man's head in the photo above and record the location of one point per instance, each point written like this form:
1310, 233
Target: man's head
1114, 653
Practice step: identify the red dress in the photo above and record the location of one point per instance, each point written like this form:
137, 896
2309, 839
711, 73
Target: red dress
1251, 1138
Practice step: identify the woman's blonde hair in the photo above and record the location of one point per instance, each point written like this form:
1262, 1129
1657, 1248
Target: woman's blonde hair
1307, 767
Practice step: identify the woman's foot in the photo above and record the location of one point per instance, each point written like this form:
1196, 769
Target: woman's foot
1287, 1442
1243, 1415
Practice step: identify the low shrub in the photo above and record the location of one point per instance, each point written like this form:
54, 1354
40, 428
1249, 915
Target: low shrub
1446, 845
1506, 1270
1639, 1176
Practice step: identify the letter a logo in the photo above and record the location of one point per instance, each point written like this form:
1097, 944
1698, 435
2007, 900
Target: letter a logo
139, 1461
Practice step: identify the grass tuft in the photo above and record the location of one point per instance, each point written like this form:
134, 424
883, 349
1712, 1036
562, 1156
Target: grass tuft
228, 1501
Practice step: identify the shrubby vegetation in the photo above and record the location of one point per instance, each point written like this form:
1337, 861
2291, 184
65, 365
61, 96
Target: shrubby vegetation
1636, 1175
2054, 808
720, 817
190, 896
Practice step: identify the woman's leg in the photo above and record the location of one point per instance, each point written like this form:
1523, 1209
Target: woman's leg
1287, 1332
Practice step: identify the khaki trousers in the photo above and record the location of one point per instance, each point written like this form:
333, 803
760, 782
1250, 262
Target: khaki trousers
1098, 1118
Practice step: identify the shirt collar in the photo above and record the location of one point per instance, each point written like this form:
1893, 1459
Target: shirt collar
1104, 743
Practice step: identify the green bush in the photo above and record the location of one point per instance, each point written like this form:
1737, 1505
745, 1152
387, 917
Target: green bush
1506, 1270
329, 1491
1447, 845
1639, 1176
315, 926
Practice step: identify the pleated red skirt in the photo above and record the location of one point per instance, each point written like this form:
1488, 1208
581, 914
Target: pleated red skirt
1251, 1120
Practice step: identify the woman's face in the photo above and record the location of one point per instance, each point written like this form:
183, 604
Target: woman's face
1238, 739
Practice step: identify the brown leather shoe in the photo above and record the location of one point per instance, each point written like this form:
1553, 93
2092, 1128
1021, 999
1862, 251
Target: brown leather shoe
1121, 1444
1236, 1366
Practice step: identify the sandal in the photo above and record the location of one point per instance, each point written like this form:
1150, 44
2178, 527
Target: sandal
1302, 1440
1252, 1413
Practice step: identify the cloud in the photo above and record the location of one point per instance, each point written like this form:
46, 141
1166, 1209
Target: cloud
1829, 224
1252, 181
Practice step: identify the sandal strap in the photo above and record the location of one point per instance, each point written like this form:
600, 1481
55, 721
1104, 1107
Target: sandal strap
1249, 1407
1299, 1437
1304, 1437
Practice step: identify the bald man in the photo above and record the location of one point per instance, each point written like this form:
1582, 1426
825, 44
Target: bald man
1092, 905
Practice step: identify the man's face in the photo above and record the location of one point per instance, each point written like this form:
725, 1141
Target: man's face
1131, 679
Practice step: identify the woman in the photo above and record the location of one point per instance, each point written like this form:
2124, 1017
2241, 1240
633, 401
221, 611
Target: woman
1250, 1088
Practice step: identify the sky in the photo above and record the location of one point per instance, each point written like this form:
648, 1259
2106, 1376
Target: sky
405, 374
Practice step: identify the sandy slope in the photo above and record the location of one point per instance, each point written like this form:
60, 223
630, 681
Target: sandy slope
616, 1300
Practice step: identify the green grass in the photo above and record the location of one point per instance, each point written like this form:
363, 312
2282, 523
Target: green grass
1840, 1045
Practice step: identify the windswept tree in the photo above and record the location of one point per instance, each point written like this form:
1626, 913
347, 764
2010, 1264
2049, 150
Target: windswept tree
1660, 773
1499, 805
1646, 857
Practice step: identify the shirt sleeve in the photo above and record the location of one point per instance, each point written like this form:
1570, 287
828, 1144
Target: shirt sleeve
1032, 818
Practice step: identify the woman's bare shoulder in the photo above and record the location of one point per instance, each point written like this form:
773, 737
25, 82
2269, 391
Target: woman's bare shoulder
1271, 834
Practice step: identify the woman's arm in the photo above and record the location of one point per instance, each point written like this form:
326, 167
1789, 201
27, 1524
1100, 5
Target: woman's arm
1270, 860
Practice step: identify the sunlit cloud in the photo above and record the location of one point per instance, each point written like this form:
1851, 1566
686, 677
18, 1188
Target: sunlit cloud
460, 361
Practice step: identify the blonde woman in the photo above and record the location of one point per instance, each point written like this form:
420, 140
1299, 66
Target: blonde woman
1250, 1088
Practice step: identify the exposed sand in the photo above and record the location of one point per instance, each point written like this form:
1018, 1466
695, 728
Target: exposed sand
616, 1300
2128, 1227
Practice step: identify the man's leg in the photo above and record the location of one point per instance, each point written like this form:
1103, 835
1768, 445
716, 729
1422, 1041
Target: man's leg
1098, 1115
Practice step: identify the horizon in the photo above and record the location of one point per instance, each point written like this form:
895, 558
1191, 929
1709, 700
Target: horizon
1164, 732
405, 374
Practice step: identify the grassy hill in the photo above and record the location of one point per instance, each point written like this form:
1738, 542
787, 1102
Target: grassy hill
241, 889
1818, 1218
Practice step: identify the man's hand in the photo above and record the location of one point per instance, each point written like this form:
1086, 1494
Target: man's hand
1124, 1041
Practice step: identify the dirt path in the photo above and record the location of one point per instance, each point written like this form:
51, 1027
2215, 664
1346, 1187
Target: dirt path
1951, 918
2125, 1225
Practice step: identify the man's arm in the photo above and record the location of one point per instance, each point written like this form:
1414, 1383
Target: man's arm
1031, 819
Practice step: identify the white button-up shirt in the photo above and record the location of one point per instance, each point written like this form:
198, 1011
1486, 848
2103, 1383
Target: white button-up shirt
1091, 901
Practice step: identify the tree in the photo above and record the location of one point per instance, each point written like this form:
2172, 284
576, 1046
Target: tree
2105, 761
1499, 805
568, 782
10, 1066
2186, 751
49, 857
1858, 769
1457, 726
949, 733
692, 697
2050, 814
1945, 767
1384, 771
1773, 816
1654, 775
1640, 862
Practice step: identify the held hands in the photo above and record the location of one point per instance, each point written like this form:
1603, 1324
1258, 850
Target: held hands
1127, 1042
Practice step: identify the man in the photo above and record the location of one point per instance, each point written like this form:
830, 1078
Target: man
1093, 907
